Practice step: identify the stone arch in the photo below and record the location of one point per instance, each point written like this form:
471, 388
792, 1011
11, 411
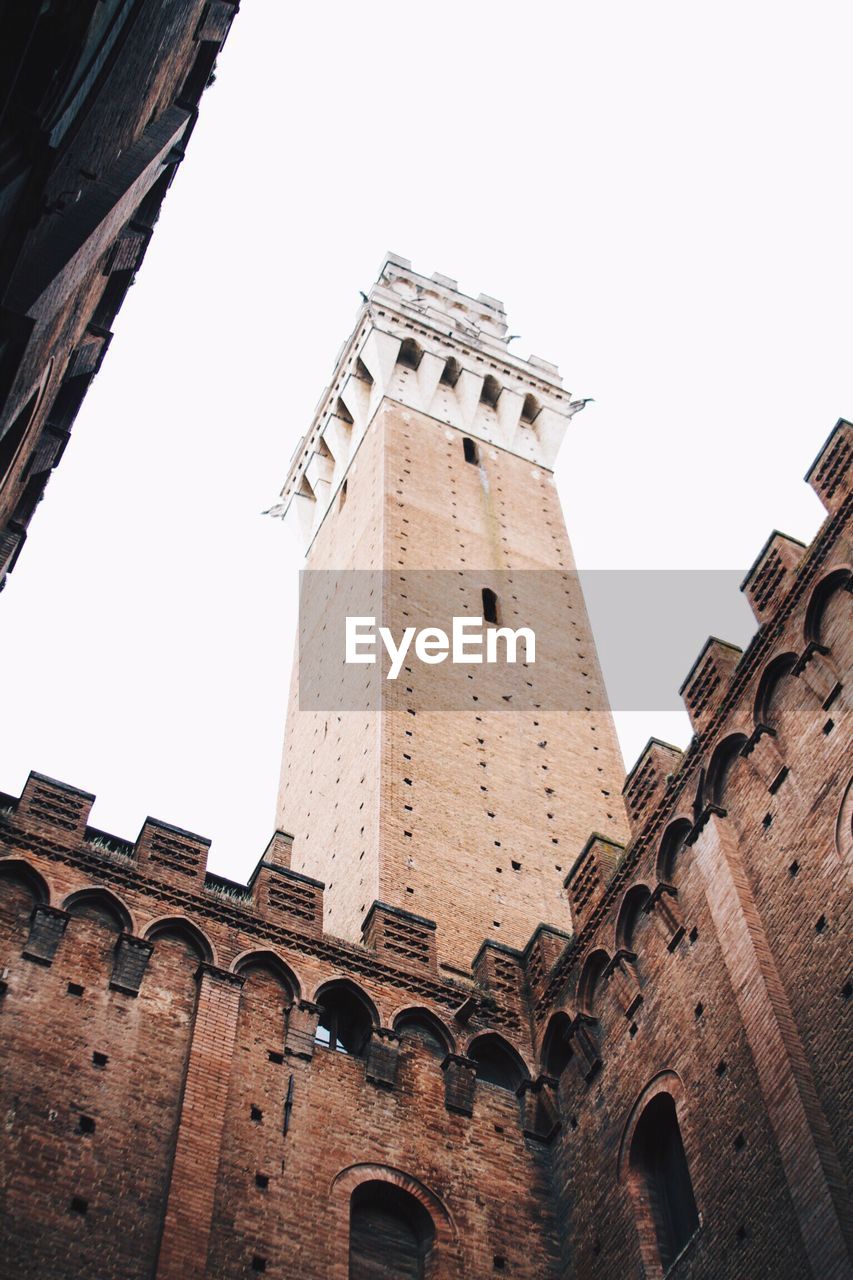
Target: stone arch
556, 1051
837, 580
411, 353
181, 927
490, 391
416, 1018
777, 670
590, 981
630, 911
346, 1019
671, 848
498, 1062
21, 870
445, 1262
353, 989
530, 408
105, 902
844, 825
667, 1081
723, 763
272, 963
652, 1164
22, 890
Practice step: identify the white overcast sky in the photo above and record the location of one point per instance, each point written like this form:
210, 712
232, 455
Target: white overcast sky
660, 195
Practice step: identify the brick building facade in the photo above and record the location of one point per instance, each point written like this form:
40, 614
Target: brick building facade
320, 1074
98, 99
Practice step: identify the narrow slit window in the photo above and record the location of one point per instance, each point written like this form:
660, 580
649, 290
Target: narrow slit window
490, 605
470, 450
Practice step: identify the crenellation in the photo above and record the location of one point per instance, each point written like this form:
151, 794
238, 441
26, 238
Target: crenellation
589, 876
407, 363
171, 852
647, 782
830, 473
44, 802
708, 680
770, 576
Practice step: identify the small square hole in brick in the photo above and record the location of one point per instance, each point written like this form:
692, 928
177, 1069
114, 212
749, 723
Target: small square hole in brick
573, 1122
275, 1056
516, 866
100, 1059
847, 990
259, 1264
693, 934
767, 820
820, 924
85, 1124
699, 1010
256, 1114
262, 1181
632, 1030
499, 1262
829, 726
794, 868
722, 1067
74, 989
740, 1142
78, 1205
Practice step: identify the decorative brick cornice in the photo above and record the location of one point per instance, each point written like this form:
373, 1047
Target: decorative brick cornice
336, 952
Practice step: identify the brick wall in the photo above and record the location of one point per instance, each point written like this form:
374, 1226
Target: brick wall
171, 1111
89, 152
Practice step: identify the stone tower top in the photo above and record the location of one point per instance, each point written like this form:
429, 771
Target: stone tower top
420, 342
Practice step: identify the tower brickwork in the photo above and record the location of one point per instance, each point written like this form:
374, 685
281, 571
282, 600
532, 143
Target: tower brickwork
430, 463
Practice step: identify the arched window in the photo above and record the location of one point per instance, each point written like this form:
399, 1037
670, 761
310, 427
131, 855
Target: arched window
773, 677
556, 1047
497, 1062
671, 849
530, 408
344, 1023
724, 761
659, 1165
450, 373
490, 605
631, 914
419, 1026
591, 981
491, 391
470, 450
410, 354
391, 1234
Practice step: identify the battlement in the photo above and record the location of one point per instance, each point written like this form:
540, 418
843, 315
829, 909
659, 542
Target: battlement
423, 344
784, 578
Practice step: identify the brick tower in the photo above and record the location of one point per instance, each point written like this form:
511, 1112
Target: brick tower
429, 463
